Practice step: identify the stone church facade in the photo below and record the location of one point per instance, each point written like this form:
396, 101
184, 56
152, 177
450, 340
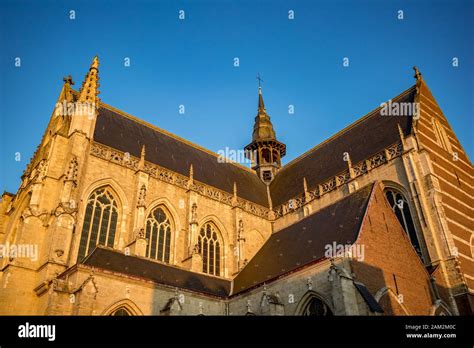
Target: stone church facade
129, 219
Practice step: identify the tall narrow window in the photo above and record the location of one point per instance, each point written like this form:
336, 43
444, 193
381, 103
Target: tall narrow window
100, 222
401, 209
210, 249
158, 234
441, 136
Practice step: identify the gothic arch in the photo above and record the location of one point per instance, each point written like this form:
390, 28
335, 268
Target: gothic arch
420, 240
257, 238
175, 221
172, 219
114, 185
16, 223
440, 308
122, 210
126, 304
220, 226
221, 248
307, 298
386, 291
169, 207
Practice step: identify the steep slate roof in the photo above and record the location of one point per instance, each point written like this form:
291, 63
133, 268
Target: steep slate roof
361, 140
128, 134
118, 262
304, 242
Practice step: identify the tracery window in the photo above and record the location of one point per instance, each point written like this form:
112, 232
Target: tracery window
316, 307
100, 222
209, 246
158, 234
401, 209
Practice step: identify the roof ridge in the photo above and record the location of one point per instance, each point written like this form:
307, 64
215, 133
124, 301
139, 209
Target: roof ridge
345, 129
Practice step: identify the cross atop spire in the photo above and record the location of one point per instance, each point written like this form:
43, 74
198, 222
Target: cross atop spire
259, 78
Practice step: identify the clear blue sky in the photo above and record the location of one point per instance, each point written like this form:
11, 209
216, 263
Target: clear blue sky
190, 62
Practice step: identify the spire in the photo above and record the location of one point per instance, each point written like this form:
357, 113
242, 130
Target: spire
90, 87
261, 104
263, 127
265, 151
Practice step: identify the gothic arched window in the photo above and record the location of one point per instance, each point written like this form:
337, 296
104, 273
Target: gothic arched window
121, 312
209, 246
316, 307
158, 234
100, 222
401, 209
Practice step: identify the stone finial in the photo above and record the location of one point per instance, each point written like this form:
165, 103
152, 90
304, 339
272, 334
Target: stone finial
191, 176
417, 75
68, 80
90, 87
307, 197
234, 198
143, 152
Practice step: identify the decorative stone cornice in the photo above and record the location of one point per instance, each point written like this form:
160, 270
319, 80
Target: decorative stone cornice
359, 169
188, 183
176, 179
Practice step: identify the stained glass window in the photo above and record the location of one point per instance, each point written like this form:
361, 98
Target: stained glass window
158, 234
210, 248
100, 222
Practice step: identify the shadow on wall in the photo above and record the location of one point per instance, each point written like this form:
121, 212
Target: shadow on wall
401, 294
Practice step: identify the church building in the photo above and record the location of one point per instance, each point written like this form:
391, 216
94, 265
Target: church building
129, 219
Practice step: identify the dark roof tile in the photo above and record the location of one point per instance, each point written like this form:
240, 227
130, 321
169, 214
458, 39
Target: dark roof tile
117, 262
361, 140
129, 135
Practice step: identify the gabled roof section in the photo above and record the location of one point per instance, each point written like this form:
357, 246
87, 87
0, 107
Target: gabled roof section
117, 262
304, 242
364, 138
128, 134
